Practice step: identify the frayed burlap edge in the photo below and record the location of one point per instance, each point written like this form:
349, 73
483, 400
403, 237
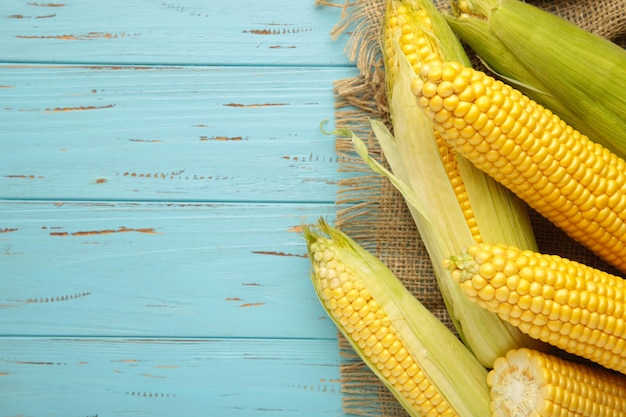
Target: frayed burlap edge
375, 214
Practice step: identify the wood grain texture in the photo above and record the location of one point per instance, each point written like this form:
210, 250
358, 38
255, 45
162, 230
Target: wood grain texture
173, 377
159, 270
157, 162
216, 32
167, 133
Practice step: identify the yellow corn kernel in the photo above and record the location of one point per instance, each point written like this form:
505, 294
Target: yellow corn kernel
408, 24
554, 62
415, 34
527, 383
564, 175
397, 337
584, 308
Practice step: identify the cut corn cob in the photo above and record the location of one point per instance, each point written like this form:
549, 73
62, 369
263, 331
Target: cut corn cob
423, 364
527, 383
578, 75
457, 213
569, 305
577, 184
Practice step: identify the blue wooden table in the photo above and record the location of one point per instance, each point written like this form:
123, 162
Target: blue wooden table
157, 162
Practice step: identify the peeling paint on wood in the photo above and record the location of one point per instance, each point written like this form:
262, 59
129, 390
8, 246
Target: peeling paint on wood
97, 141
79, 108
177, 275
59, 234
27, 177
283, 31
144, 303
43, 300
147, 230
150, 394
171, 176
36, 363
146, 140
152, 376
252, 305
53, 299
296, 229
222, 138
80, 37
255, 105
21, 16
199, 33
47, 4
278, 253
69, 109
305, 372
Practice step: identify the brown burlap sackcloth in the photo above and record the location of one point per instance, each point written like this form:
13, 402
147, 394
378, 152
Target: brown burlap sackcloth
376, 215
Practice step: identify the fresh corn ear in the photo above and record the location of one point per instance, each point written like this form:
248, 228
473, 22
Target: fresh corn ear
500, 60
453, 203
423, 364
574, 307
576, 74
527, 383
575, 183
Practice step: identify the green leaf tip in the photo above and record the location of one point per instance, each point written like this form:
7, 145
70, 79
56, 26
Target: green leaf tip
336, 132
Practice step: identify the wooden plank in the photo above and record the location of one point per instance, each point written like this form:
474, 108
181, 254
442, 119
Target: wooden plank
225, 32
167, 133
153, 377
158, 269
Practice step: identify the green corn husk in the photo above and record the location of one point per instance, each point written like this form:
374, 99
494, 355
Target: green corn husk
576, 74
500, 60
340, 264
420, 174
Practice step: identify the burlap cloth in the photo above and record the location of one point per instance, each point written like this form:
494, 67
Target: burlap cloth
377, 216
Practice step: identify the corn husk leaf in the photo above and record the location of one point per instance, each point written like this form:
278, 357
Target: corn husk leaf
415, 160
578, 75
447, 363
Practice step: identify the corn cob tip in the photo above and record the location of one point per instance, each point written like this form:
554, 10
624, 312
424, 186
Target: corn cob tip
462, 267
557, 301
482, 8
319, 232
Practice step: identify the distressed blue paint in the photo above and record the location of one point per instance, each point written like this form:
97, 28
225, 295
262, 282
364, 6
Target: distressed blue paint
158, 269
156, 161
216, 32
156, 377
162, 133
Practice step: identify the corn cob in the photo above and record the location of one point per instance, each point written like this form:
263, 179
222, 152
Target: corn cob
423, 364
574, 307
500, 60
528, 383
456, 213
578, 75
409, 31
575, 183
